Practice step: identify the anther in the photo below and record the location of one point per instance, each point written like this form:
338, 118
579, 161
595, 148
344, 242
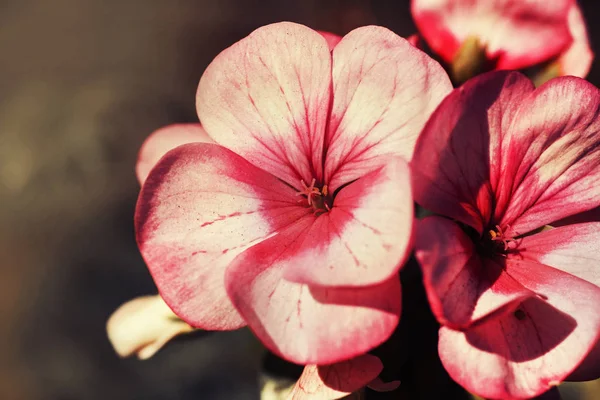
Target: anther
309, 191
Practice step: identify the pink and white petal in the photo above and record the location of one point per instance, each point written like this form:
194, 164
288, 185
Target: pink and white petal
524, 354
554, 148
304, 324
384, 90
500, 25
574, 249
200, 207
163, 140
463, 288
328, 382
577, 59
366, 236
267, 98
331, 38
458, 161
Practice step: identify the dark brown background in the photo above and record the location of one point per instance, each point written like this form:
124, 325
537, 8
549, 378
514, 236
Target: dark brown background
82, 83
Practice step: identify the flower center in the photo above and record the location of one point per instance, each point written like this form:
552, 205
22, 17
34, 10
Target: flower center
496, 242
317, 198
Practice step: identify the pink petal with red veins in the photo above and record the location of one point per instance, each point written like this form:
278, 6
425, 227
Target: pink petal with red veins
331, 38
522, 355
163, 140
459, 160
384, 89
463, 288
500, 25
574, 249
577, 59
553, 148
267, 98
328, 382
365, 238
201, 206
304, 324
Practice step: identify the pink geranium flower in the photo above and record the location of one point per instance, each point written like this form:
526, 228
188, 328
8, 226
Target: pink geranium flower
297, 221
499, 161
335, 381
514, 34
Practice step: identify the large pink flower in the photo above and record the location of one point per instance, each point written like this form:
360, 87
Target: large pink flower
515, 33
498, 161
297, 221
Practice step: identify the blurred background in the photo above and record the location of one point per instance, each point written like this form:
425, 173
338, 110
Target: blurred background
82, 83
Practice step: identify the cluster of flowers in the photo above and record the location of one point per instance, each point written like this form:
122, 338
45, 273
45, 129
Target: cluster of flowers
290, 209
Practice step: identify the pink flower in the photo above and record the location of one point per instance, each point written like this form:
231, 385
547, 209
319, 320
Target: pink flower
335, 381
577, 59
498, 161
515, 34
297, 221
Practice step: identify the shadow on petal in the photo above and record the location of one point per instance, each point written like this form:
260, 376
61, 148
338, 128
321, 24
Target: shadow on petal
532, 331
375, 297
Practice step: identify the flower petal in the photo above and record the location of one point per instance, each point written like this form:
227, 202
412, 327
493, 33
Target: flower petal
589, 368
307, 324
501, 25
384, 91
574, 249
380, 386
524, 354
365, 238
463, 288
267, 98
458, 160
553, 148
143, 326
163, 140
328, 382
577, 59
200, 207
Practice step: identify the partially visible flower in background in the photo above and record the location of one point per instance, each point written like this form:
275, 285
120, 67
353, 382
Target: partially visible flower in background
142, 326
517, 299
577, 59
506, 34
335, 381
283, 225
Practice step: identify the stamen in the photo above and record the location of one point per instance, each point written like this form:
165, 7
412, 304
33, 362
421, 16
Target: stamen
309, 191
499, 236
315, 197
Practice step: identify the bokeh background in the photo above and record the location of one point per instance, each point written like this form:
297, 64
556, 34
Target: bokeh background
82, 83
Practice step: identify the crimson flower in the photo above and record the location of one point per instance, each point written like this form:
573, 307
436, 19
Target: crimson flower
517, 299
297, 220
514, 34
